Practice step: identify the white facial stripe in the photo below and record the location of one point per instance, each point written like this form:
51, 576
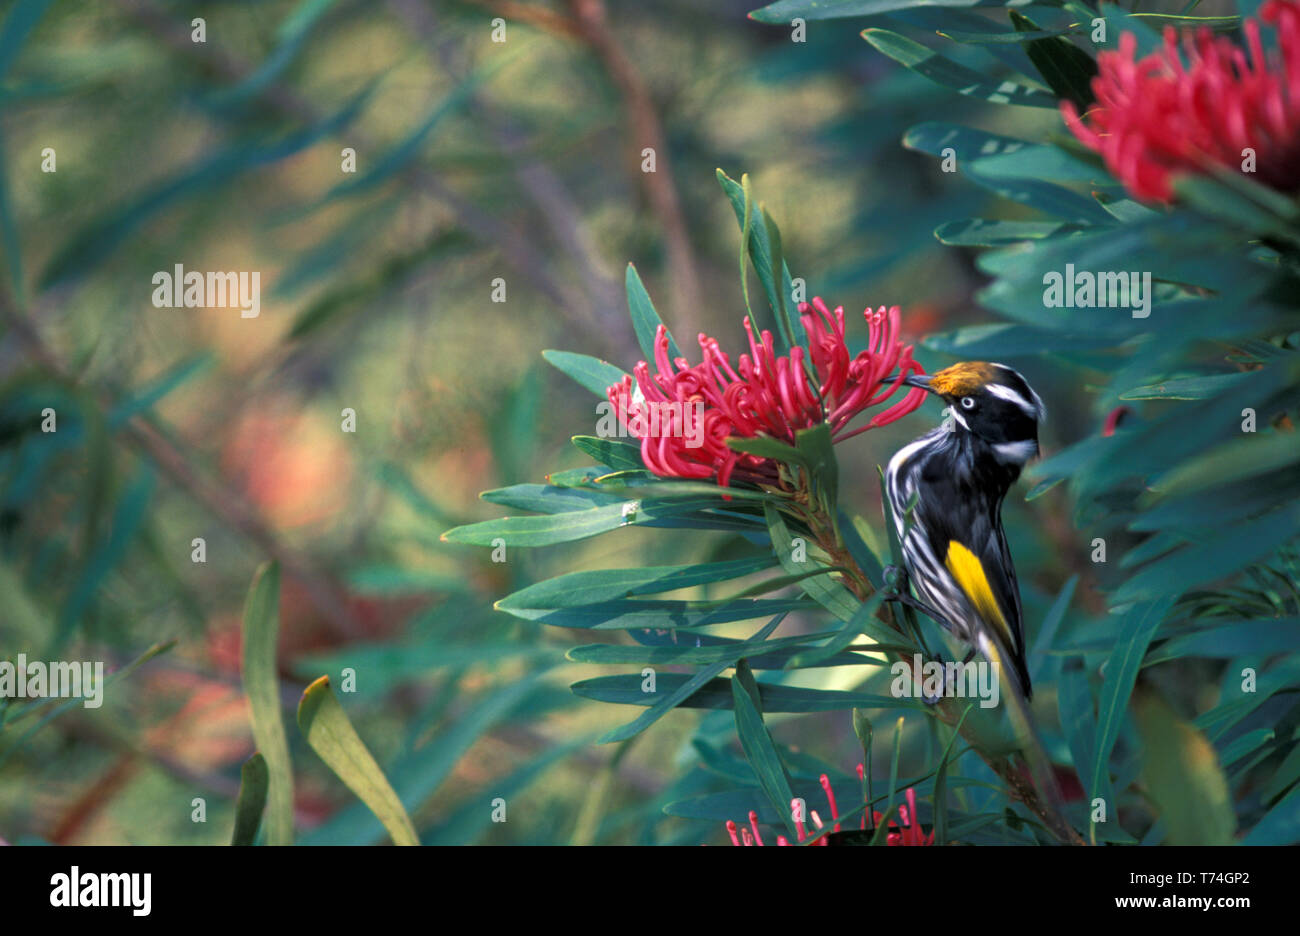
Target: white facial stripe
1016, 452
1040, 410
1006, 393
952, 411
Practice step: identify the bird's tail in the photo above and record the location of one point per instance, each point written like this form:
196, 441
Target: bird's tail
1016, 680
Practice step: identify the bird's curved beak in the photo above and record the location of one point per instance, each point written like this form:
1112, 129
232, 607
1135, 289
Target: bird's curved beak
919, 380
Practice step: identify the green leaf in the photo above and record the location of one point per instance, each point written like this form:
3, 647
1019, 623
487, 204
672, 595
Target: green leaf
254, 781
292, 35
551, 499
262, 686
1051, 623
785, 322
576, 589
330, 734
967, 143
1079, 724
662, 614
783, 11
1183, 776
616, 455
467, 823
1280, 825
862, 622
666, 702
418, 774
983, 232
89, 246
941, 784
50, 709
760, 751
818, 451
18, 25
765, 447
1066, 68
1119, 21
1225, 198
388, 664
946, 72
882, 830
1043, 161
10, 240
387, 164
765, 654
144, 398
107, 552
1231, 550
716, 694
1138, 626
764, 251
573, 525
645, 320
1227, 641
1250, 456
594, 374
1184, 388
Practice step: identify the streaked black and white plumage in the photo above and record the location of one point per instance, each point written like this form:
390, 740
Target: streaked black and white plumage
955, 551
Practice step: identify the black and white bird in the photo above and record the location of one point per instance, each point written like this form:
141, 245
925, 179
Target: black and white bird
954, 550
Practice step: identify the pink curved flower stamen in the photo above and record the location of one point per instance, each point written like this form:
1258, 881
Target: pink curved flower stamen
699, 407
1157, 118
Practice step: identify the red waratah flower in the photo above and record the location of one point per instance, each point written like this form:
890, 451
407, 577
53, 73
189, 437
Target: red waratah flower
1156, 117
910, 833
764, 395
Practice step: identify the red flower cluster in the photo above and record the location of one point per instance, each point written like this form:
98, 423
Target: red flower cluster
697, 407
910, 833
1156, 118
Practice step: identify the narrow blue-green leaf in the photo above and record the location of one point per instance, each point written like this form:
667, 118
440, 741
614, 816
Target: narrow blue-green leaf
262, 686
329, 732
89, 246
18, 25
616, 455
887, 813
1280, 825
645, 320
1051, 623
50, 710
254, 781
862, 622
783, 11
666, 702
941, 784
408, 149
1138, 626
109, 552
420, 771
593, 373
760, 750
946, 72
576, 589
777, 284
716, 694
155, 390
1079, 725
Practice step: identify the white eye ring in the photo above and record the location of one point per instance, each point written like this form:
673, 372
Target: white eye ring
967, 402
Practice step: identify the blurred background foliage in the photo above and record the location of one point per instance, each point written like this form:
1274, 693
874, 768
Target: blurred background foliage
479, 164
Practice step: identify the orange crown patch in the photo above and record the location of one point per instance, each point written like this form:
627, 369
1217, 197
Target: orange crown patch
961, 379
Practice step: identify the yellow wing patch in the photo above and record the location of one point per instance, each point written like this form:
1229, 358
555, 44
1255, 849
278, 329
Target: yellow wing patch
967, 569
962, 379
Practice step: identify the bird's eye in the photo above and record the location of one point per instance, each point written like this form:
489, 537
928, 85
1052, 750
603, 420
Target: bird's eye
967, 402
